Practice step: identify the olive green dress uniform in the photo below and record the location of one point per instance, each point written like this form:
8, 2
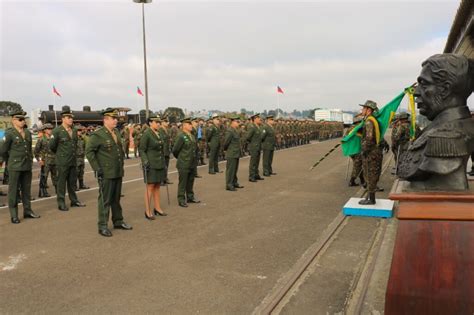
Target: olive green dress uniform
165, 136
64, 146
105, 155
268, 148
254, 138
17, 152
44, 153
80, 160
152, 155
213, 139
184, 150
232, 155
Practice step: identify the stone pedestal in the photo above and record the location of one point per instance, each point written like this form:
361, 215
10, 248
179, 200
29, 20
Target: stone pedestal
432, 268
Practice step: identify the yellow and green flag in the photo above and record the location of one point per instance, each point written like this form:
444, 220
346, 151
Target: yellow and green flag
351, 143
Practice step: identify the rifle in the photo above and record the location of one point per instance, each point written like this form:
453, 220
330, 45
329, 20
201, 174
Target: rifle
325, 156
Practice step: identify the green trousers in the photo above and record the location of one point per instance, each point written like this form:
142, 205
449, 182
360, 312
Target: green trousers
67, 176
19, 181
267, 162
214, 160
232, 167
185, 185
109, 198
253, 165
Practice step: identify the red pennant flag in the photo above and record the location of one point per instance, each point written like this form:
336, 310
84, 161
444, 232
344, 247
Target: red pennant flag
56, 91
279, 90
139, 91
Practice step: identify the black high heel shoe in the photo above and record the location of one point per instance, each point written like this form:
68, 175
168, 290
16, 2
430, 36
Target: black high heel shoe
149, 218
163, 214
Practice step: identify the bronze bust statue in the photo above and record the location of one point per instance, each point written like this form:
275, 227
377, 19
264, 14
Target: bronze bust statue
437, 160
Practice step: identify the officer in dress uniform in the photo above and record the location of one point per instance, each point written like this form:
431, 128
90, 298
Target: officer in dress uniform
46, 159
184, 150
80, 157
268, 146
232, 153
63, 143
17, 151
254, 138
104, 151
212, 137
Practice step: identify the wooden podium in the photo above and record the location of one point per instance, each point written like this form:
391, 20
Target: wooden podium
432, 268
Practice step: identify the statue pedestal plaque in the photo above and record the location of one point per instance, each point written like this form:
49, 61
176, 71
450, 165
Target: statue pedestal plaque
432, 268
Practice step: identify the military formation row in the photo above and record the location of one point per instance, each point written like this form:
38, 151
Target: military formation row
61, 152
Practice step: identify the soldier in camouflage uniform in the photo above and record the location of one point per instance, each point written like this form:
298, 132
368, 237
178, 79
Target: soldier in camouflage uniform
254, 138
401, 136
213, 139
80, 158
46, 159
371, 153
194, 132
201, 130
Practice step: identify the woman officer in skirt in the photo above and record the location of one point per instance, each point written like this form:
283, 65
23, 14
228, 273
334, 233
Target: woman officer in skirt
154, 167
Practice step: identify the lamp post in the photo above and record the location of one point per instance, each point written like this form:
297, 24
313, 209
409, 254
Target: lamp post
144, 54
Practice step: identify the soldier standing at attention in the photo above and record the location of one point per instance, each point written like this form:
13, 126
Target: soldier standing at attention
165, 135
63, 143
17, 151
194, 132
401, 138
104, 151
254, 138
268, 146
80, 157
371, 153
184, 150
154, 166
46, 159
232, 153
212, 136
126, 140
137, 134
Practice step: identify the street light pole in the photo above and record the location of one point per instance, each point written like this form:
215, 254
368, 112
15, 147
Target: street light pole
144, 54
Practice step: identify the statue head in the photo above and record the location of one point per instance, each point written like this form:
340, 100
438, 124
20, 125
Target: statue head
445, 81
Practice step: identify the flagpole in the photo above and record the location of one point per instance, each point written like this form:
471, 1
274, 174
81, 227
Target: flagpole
54, 109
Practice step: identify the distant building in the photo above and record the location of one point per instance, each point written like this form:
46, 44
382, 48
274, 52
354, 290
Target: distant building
333, 115
461, 36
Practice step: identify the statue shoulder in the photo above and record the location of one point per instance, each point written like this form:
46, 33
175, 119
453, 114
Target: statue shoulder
446, 143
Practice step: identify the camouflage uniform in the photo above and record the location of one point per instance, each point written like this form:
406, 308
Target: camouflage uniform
137, 134
126, 140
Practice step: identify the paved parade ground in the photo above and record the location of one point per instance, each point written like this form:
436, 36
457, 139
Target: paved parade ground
224, 255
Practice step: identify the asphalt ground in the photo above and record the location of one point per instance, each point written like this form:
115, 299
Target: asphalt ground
223, 255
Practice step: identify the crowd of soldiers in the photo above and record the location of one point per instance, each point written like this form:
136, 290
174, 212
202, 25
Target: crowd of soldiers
61, 152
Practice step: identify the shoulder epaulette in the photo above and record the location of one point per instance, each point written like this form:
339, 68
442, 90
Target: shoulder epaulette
446, 143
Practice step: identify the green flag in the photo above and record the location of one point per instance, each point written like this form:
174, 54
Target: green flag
351, 143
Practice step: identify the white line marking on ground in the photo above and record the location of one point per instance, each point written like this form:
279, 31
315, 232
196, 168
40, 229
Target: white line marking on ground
12, 262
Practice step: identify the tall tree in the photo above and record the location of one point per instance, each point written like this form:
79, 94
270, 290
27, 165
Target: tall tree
6, 107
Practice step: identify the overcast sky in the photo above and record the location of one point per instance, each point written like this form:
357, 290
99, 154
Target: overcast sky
217, 54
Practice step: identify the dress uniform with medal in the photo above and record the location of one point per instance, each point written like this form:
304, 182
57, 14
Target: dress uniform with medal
104, 151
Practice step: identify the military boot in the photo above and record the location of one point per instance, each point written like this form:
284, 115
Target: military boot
45, 193
369, 200
82, 185
40, 193
352, 182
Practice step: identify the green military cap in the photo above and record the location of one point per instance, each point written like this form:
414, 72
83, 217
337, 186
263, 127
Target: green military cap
370, 104
186, 120
111, 112
154, 117
47, 126
66, 112
403, 115
234, 117
164, 118
270, 117
18, 114
255, 115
